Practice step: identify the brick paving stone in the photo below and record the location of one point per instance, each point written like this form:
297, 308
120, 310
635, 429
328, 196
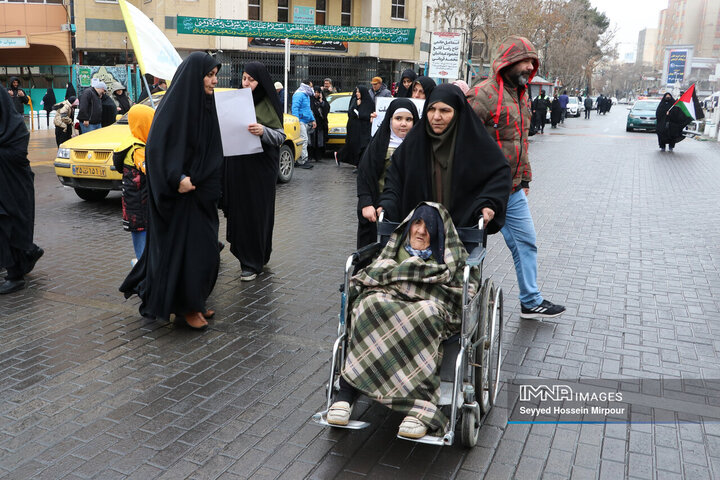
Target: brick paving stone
84, 378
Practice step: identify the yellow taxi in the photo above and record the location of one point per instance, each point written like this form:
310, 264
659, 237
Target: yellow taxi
85, 162
337, 119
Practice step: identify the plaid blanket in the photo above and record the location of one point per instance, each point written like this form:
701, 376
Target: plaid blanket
401, 311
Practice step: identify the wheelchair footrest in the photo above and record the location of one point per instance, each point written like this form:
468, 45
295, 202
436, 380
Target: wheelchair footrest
321, 419
431, 440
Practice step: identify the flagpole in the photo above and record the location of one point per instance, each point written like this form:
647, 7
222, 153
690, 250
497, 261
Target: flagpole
286, 69
152, 101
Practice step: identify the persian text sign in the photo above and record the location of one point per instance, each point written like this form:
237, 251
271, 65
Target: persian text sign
13, 42
444, 54
252, 28
676, 66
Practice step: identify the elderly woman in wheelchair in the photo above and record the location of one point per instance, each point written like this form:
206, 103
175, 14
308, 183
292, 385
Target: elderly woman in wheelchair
402, 307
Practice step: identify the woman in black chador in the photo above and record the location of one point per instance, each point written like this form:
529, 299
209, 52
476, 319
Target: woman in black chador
249, 182
670, 123
18, 253
179, 266
357, 135
399, 119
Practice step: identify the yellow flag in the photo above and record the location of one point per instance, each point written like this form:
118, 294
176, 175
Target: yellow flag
154, 52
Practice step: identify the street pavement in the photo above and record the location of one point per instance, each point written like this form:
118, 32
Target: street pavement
627, 238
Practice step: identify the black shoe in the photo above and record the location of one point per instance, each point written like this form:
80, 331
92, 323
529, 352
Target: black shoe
33, 257
307, 166
10, 286
662, 149
544, 310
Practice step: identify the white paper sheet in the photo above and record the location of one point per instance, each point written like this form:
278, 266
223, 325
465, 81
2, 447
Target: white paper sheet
381, 106
235, 111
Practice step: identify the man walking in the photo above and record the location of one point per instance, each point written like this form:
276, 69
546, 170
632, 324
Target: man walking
507, 120
563, 99
379, 89
90, 113
301, 109
587, 103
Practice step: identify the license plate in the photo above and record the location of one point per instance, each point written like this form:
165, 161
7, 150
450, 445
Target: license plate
89, 171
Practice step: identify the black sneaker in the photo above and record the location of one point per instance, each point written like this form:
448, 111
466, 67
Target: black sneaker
544, 310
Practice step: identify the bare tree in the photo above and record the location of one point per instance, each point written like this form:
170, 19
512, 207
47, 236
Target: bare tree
571, 36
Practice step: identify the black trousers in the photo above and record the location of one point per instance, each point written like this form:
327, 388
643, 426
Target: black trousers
63, 135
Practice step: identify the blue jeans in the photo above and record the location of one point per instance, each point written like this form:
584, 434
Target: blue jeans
138, 239
519, 234
89, 128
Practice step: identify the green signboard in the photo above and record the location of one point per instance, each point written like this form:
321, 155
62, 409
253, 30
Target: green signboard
251, 28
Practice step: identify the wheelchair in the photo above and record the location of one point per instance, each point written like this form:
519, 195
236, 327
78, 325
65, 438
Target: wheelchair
470, 369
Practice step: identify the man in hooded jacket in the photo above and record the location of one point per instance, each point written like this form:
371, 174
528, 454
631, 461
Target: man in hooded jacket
17, 95
507, 119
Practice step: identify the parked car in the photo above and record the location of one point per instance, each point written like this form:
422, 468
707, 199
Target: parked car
85, 162
574, 108
642, 115
337, 118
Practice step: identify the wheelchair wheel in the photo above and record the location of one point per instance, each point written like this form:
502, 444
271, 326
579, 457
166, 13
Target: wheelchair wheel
496, 339
469, 428
484, 350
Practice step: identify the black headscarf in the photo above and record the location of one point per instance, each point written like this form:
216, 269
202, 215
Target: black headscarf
480, 173
70, 91
435, 228
180, 129
662, 110
366, 107
402, 91
372, 163
265, 88
49, 99
427, 83
17, 197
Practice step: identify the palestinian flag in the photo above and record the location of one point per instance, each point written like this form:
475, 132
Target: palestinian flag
689, 105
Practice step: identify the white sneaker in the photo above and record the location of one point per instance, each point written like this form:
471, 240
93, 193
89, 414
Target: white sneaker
339, 413
411, 427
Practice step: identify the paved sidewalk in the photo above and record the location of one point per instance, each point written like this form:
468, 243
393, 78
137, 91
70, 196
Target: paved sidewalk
628, 239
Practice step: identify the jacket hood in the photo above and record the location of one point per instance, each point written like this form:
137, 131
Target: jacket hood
140, 119
11, 80
512, 50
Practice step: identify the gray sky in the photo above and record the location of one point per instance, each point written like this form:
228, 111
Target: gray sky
630, 16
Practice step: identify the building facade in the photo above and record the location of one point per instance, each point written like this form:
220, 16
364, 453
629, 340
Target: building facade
689, 22
690, 30
101, 36
647, 41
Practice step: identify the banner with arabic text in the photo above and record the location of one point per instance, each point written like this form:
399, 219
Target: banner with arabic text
252, 28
